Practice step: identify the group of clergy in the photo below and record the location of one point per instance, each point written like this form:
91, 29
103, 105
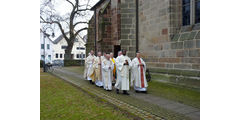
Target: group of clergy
106, 71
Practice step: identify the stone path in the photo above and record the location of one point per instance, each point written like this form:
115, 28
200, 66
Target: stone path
146, 106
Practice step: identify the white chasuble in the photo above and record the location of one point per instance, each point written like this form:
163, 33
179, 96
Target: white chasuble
90, 69
138, 78
107, 73
123, 71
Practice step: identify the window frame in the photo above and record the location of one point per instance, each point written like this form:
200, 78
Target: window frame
48, 46
42, 46
192, 12
190, 9
49, 56
42, 57
63, 47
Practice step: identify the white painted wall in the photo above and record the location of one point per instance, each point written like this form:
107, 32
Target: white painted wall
58, 49
47, 51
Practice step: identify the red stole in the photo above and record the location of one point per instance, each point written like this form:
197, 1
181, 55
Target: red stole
100, 68
141, 70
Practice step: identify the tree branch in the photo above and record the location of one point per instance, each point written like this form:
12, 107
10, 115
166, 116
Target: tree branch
80, 31
79, 23
59, 25
70, 3
80, 10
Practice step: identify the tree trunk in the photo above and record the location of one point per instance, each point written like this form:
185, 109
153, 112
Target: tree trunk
68, 52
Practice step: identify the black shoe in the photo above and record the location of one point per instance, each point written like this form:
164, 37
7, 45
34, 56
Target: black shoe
125, 92
117, 91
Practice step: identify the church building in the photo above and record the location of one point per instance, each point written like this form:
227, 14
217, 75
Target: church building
165, 32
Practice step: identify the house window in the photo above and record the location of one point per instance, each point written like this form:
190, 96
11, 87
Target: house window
80, 48
64, 47
190, 12
48, 46
78, 55
61, 56
56, 55
42, 46
42, 57
49, 57
83, 55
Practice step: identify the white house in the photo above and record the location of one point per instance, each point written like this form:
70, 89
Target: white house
78, 50
46, 42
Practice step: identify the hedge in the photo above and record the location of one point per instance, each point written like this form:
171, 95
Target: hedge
41, 63
74, 62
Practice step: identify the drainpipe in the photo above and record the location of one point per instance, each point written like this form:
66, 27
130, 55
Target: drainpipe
95, 12
137, 26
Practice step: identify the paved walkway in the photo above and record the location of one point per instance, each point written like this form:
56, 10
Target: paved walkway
146, 106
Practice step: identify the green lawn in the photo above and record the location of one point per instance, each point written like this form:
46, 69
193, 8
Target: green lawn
62, 101
76, 69
173, 92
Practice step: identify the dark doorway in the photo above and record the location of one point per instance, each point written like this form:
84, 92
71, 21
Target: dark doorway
116, 49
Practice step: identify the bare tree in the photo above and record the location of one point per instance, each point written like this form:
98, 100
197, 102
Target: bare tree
66, 23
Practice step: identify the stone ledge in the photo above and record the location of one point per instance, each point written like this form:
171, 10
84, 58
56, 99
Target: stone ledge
191, 73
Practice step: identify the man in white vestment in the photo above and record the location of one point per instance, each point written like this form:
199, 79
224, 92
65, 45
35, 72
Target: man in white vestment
86, 67
138, 78
114, 69
107, 66
123, 65
104, 57
98, 69
90, 70
118, 80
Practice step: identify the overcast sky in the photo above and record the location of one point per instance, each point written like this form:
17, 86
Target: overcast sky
62, 8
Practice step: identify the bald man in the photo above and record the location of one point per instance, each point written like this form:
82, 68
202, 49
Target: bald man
107, 66
90, 70
138, 78
98, 69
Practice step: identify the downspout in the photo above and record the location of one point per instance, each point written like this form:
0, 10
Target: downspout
95, 45
137, 26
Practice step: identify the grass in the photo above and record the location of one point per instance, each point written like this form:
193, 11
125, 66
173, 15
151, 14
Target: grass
173, 92
76, 69
62, 101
